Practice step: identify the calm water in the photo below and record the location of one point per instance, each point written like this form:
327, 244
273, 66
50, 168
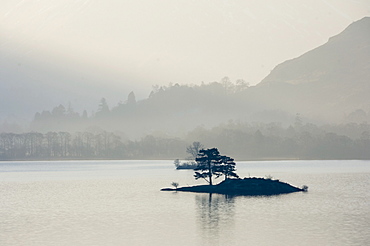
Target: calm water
119, 203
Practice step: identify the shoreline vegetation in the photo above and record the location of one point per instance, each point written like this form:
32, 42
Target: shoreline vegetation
169, 159
241, 140
163, 159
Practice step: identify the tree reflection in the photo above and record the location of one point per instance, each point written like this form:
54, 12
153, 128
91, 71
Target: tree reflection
215, 216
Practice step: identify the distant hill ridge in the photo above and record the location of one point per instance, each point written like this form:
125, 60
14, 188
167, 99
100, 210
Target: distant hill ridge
329, 82
344, 57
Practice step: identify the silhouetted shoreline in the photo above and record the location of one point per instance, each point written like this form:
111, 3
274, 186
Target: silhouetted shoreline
247, 186
167, 159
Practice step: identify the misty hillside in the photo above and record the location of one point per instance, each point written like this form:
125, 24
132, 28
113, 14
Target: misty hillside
329, 82
172, 110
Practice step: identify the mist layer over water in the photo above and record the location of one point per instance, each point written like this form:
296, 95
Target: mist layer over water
119, 203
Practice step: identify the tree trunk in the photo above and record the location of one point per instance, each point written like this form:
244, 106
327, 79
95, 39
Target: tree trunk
210, 172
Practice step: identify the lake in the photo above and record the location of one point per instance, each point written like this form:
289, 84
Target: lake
120, 203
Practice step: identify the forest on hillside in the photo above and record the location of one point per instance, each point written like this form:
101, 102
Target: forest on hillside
171, 109
177, 109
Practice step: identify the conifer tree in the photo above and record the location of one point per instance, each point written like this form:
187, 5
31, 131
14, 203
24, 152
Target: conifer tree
227, 167
212, 164
208, 160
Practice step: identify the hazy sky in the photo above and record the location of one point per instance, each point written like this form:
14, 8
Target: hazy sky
132, 45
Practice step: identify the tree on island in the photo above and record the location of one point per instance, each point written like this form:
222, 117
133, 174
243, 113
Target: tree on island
194, 149
212, 164
227, 168
177, 163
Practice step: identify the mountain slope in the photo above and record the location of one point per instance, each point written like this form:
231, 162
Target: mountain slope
343, 58
327, 82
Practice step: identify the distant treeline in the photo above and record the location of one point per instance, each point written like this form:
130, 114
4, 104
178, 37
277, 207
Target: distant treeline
272, 141
240, 140
85, 145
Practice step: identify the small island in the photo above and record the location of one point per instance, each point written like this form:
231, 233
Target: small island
185, 165
246, 187
193, 150
210, 164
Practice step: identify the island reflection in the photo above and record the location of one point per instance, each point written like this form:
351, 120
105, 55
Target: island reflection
215, 214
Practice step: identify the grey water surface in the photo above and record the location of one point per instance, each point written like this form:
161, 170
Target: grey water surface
119, 203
